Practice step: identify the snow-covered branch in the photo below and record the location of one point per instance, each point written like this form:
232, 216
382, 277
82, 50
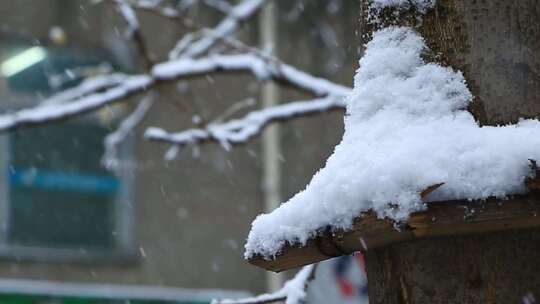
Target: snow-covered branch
89, 96
87, 86
240, 130
51, 111
293, 292
262, 68
100, 91
113, 140
227, 26
156, 7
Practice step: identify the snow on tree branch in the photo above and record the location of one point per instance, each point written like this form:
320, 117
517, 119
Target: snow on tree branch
240, 130
87, 96
87, 86
100, 91
155, 6
113, 140
236, 15
50, 111
260, 67
293, 292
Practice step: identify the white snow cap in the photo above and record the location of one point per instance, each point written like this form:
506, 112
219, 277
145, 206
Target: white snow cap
406, 129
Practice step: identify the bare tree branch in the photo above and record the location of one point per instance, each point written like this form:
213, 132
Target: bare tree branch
240, 130
293, 292
113, 140
233, 109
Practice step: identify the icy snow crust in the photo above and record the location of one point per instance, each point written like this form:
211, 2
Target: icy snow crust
406, 129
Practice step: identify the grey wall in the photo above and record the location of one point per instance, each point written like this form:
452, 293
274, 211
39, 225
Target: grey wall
194, 213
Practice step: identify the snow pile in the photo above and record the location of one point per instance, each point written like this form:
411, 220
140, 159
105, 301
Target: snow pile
406, 129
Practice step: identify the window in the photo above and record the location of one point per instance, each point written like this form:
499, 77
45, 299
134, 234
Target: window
56, 200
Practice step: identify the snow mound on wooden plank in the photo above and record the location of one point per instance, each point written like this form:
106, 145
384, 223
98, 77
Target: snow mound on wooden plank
406, 129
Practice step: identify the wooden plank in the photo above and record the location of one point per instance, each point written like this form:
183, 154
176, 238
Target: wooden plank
440, 219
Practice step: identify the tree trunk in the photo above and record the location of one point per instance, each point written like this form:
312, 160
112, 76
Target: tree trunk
496, 44
493, 268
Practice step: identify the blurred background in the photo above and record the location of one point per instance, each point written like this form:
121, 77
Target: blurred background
166, 226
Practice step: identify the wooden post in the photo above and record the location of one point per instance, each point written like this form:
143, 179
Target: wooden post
496, 44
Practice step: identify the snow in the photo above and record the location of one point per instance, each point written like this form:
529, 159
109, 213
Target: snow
260, 67
188, 66
406, 129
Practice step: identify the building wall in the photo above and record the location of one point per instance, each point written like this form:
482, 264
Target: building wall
193, 213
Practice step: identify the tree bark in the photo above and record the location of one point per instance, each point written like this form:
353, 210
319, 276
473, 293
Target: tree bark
496, 44
494, 268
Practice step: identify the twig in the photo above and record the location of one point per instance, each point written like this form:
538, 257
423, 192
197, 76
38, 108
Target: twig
235, 108
134, 30
113, 140
240, 130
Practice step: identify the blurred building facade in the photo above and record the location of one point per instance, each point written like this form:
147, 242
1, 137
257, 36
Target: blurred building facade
177, 223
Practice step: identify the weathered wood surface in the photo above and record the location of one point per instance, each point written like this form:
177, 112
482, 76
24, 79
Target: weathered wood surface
440, 219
